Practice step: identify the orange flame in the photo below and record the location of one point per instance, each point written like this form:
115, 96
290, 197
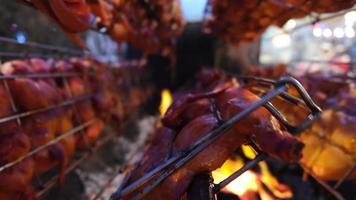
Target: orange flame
166, 101
251, 183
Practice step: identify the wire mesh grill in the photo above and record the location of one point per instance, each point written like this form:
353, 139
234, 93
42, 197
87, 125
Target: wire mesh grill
70, 102
151, 179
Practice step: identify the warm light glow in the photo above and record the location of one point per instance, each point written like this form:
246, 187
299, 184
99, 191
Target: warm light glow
338, 32
317, 32
327, 33
248, 151
246, 182
350, 18
166, 101
290, 24
279, 190
250, 181
349, 32
281, 40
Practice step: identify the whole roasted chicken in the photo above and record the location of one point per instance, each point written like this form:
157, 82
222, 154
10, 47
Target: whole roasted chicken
42, 98
184, 126
330, 142
246, 20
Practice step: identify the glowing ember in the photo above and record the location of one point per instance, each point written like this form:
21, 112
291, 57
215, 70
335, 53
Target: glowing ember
166, 101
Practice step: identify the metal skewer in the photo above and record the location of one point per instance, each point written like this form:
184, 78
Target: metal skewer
53, 181
40, 75
41, 110
240, 171
332, 191
43, 46
185, 156
345, 176
54, 141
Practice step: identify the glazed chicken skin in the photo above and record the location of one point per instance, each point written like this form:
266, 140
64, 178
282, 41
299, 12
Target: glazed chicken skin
13, 146
259, 126
6, 110
15, 181
156, 153
44, 126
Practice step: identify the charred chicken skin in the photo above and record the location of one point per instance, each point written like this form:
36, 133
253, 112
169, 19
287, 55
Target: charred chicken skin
259, 126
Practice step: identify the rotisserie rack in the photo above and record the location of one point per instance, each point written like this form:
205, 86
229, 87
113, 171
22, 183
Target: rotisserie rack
126, 79
151, 179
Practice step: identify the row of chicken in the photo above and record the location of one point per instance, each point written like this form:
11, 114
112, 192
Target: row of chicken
151, 26
194, 114
330, 143
93, 102
236, 21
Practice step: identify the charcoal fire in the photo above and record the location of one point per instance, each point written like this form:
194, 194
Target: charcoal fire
251, 185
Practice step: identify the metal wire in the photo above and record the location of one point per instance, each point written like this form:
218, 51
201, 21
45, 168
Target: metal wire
325, 185
18, 117
239, 172
345, 176
40, 75
24, 55
41, 110
60, 49
182, 158
54, 180
54, 141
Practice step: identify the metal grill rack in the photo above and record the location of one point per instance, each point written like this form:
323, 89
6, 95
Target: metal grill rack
151, 179
313, 18
330, 188
45, 187
70, 101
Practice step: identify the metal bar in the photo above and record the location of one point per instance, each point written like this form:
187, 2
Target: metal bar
12, 102
285, 95
325, 185
24, 55
306, 100
32, 112
239, 172
74, 107
201, 187
98, 144
345, 176
64, 135
40, 75
43, 46
185, 156
54, 180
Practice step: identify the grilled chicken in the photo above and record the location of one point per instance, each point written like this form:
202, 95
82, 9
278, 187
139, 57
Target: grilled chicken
259, 126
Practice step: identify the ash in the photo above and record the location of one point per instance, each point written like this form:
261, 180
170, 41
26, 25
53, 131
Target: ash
101, 174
